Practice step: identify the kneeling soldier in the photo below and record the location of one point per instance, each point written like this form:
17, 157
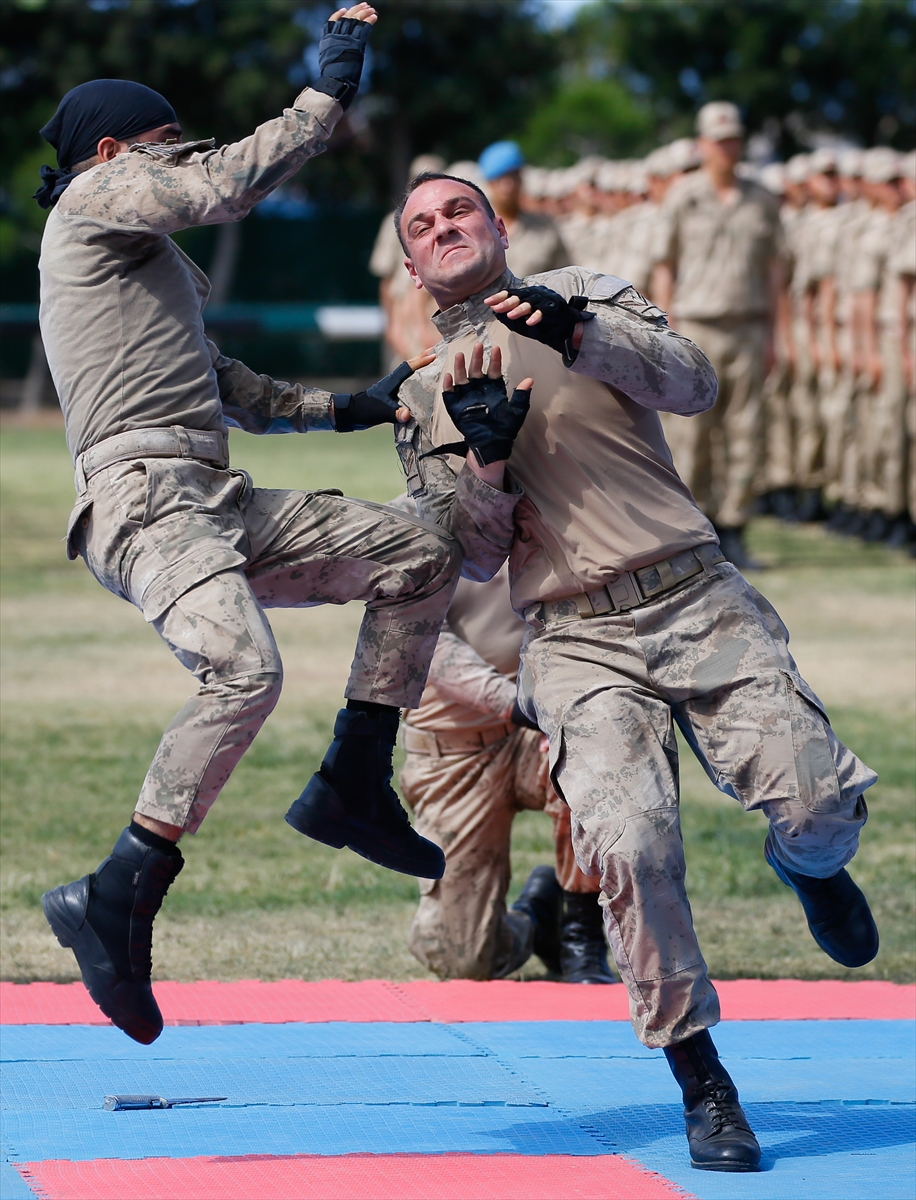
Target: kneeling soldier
474, 760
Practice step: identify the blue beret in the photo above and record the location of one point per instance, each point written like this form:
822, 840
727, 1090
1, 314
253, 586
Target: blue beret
500, 159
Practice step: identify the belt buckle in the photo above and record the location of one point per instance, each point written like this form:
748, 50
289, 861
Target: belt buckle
625, 592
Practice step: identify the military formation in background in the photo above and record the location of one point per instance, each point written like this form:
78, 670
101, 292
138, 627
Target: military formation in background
796, 279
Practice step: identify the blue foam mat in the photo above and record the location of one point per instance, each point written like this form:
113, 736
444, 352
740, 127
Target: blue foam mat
802, 1083
12, 1185
334, 1039
341, 1129
816, 1151
572, 1082
771, 1040
407, 1081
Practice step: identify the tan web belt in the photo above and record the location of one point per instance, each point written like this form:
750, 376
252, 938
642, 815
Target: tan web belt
175, 441
632, 588
458, 741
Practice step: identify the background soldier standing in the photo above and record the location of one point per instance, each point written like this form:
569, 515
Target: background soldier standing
536, 241
474, 760
720, 254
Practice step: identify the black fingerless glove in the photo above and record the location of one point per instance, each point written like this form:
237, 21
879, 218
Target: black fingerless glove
558, 320
340, 59
520, 717
488, 421
374, 406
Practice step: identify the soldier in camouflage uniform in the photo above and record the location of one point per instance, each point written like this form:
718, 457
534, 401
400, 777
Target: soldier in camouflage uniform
474, 760
636, 621
162, 521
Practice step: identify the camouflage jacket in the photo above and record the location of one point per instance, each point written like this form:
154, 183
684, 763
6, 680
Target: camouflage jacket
121, 304
595, 488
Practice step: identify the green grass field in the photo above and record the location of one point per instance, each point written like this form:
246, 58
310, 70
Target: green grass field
87, 688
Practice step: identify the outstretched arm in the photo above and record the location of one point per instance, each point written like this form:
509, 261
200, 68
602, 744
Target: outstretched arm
164, 188
259, 404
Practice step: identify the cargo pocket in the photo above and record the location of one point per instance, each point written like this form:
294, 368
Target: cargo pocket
587, 852
77, 524
813, 743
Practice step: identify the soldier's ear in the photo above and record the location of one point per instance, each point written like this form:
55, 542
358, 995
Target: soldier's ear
412, 272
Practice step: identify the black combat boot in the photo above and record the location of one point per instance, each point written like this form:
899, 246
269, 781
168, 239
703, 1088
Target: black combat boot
349, 801
583, 950
718, 1134
106, 919
539, 900
837, 912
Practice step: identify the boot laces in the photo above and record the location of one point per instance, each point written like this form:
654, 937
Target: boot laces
722, 1108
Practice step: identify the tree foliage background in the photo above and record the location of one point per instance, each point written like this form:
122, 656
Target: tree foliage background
452, 75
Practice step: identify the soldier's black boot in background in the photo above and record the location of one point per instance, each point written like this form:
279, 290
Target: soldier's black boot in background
583, 949
349, 801
718, 1133
539, 900
106, 919
836, 910
731, 543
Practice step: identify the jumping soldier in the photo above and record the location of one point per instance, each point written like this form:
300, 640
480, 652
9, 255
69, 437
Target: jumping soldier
162, 521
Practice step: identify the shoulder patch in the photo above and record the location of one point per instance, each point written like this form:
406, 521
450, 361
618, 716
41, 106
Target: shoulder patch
606, 287
171, 151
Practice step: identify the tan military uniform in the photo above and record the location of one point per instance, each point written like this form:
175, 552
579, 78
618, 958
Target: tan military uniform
636, 622
847, 420
885, 479
160, 518
585, 239
630, 241
902, 264
779, 464
407, 309
721, 255
468, 772
814, 255
535, 244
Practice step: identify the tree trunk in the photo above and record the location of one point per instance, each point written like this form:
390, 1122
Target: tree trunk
225, 257
35, 385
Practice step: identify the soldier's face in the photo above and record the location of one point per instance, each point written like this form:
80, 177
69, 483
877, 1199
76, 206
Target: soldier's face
454, 246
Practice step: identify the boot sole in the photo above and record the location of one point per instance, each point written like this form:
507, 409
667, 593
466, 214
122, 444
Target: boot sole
89, 952
320, 814
731, 1168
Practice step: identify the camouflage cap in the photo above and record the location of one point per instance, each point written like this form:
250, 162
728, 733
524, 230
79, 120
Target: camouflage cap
719, 120
881, 165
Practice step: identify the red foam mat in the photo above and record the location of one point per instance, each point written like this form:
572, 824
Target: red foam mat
207, 1003
352, 1177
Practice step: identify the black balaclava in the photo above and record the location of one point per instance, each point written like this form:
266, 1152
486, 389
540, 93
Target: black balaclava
114, 108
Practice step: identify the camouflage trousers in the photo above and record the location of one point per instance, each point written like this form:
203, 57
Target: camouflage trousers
713, 659
466, 802
718, 453
202, 553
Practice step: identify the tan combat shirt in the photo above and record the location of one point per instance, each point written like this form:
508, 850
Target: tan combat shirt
852, 223
535, 245
877, 247
121, 304
601, 495
721, 253
631, 238
471, 683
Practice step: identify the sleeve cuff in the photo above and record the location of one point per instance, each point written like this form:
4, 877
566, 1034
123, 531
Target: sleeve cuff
489, 508
323, 108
